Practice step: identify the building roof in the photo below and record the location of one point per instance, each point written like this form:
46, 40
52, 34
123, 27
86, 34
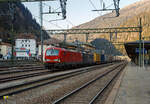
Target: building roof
26, 36
137, 42
85, 45
68, 45
7, 44
51, 41
132, 49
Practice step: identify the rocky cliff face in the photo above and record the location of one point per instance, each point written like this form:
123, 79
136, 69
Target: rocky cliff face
129, 16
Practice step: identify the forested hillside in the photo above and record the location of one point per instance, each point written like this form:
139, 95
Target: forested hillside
23, 21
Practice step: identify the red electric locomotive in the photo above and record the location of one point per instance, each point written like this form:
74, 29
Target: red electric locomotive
60, 58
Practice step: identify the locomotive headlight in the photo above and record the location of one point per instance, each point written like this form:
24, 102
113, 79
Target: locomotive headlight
47, 60
56, 59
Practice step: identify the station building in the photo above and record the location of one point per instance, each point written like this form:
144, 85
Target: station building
132, 49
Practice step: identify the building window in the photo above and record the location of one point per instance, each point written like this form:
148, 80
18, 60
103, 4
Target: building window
26, 45
29, 45
22, 45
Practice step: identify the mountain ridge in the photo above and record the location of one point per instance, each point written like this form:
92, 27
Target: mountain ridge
129, 17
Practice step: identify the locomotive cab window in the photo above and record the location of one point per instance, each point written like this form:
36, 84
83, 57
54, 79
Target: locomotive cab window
52, 52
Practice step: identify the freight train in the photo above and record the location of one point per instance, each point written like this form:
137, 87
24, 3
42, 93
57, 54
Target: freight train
65, 58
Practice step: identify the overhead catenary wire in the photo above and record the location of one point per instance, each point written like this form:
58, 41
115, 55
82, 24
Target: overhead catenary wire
70, 22
94, 6
49, 22
102, 4
54, 10
109, 5
56, 19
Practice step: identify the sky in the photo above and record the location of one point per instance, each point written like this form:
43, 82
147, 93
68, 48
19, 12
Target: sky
78, 12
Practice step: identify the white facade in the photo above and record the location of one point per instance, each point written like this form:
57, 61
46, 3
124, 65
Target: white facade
29, 44
22, 54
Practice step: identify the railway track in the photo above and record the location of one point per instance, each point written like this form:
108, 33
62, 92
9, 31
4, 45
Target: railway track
9, 63
17, 77
92, 90
18, 86
20, 70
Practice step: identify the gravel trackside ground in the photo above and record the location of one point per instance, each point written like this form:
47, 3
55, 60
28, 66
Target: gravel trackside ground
49, 93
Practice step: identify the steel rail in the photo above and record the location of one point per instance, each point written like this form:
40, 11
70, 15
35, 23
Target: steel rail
106, 86
16, 65
7, 79
19, 71
52, 80
16, 68
84, 85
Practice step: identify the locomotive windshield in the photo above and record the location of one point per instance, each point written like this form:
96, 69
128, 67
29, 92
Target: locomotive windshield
52, 52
